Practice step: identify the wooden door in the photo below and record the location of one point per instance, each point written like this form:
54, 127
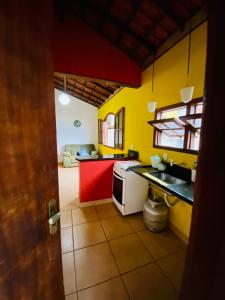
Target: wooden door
30, 259
204, 276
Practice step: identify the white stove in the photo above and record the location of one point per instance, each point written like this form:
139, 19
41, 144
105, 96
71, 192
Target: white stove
130, 190
121, 167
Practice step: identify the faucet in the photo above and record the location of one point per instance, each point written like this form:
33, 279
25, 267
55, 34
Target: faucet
173, 163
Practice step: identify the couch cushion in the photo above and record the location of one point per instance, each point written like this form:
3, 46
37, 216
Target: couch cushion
83, 152
73, 159
74, 149
67, 153
87, 147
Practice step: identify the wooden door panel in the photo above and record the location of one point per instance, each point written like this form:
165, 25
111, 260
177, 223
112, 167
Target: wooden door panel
30, 259
204, 275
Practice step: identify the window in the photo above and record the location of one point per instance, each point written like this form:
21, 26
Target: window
178, 126
111, 130
100, 131
119, 128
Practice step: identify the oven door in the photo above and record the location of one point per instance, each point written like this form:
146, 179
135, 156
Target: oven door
118, 187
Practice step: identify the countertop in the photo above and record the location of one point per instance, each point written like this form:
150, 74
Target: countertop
183, 191
103, 157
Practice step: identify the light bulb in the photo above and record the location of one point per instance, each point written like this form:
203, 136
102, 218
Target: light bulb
186, 93
64, 99
151, 106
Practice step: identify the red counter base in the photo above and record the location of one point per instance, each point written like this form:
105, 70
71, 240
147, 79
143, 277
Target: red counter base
95, 180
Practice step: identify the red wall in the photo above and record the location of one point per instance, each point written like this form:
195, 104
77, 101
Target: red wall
79, 50
95, 180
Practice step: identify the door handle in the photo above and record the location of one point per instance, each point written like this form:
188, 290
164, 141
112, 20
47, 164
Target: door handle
54, 217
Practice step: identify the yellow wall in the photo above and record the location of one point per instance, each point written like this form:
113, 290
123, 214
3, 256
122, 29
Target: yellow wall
170, 76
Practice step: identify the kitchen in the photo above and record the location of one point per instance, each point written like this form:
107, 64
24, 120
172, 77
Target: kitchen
159, 105
138, 134
121, 171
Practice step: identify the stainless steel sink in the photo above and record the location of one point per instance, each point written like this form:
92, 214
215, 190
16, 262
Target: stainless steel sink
164, 178
168, 178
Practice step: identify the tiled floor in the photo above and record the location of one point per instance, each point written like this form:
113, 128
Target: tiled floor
107, 256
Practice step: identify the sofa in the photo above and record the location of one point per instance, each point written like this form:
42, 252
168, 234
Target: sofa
72, 151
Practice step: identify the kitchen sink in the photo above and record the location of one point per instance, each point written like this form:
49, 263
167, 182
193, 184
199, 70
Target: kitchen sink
164, 178
168, 178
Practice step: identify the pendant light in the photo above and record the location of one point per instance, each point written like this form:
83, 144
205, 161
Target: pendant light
64, 98
186, 93
152, 104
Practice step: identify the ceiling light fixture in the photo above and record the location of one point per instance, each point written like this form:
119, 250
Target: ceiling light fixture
64, 98
152, 104
186, 93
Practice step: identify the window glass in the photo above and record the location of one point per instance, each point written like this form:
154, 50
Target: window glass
113, 130
196, 108
173, 113
108, 130
171, 138
179, 127
197, 123
195, 139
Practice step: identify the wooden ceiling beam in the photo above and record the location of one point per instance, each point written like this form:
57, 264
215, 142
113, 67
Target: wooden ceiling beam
78, 96
80, 92
96, 88
58, 81
123, 26
108, 89
90, 90
59, 85
72, 87
108, 92
166, 9
196, 20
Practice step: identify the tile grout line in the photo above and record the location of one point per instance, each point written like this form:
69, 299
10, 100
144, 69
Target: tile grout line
155, 260
74, 251
74, 263
96, 284
116, 263
108, 240
170, 282
145, 246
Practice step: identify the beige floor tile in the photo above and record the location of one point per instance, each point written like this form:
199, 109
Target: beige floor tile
94, 265
69, 273
84, 215
68, 186
129, 253
68, 205
160, 244
136, 221
115, 227
66, 218
67, 239
111, 290
173, 267
107, 210
67, 196
88, 234
148, 283
72, 297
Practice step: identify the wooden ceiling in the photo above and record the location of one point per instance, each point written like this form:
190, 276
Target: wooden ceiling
138, 28
92, 92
